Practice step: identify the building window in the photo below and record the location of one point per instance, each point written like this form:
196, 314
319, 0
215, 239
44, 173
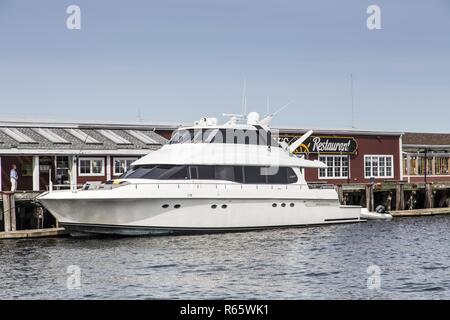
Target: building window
91, 166
442, 166
121, 165
439, 165
379, 166
62, 170
424, 166
337, 167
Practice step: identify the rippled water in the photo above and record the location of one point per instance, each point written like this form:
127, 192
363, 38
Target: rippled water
327, 262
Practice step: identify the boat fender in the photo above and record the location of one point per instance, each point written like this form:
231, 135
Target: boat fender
380, 209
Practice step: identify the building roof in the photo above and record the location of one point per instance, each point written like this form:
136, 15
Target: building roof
103, 124
339, 131
422, 140
26, 136
78, 138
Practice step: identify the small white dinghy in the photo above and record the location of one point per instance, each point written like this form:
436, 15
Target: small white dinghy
366, 214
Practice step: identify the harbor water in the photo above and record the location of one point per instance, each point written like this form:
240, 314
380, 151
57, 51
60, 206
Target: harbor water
406, 258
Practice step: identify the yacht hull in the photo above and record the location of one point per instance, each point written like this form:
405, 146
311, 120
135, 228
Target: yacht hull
153, 216
85, 230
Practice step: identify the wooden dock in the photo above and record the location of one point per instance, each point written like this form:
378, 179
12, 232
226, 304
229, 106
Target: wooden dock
11, 204
421, 212
34, 233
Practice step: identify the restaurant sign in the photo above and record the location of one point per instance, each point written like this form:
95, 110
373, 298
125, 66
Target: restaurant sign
324, 145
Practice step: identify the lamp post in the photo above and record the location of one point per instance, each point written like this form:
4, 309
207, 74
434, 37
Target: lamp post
425, 167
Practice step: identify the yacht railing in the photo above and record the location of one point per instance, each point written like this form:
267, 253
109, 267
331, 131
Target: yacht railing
170, 185
321, 186
188, 185
58, 187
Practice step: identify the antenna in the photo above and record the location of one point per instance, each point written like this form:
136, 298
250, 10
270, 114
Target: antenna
244, 98
282, 108
353, 103
267, 118
139, 115
239, 116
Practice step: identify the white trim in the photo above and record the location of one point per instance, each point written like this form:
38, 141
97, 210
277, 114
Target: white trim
36, 173
334, 177
108, 167
73, 165
337, 131
384, 176
430, 146
115, 174
91, 174
401, 158
428, 176
408, 164
119, 152
349, 168
55, 165
429, 154
55, 123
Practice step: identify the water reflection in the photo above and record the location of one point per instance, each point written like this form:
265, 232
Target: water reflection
311, 263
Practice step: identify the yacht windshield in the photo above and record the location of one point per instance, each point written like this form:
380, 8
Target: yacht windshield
240, 174
229, 136
163, 172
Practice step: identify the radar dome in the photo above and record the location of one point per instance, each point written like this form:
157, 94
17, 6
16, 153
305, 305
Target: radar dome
253, 118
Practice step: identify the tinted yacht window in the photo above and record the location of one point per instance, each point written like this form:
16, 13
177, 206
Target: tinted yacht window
224, 173
247, 174
238, 174
202, 172
229, 173
173, 172
169, 172
137, 172
254, 175
281, 175
292, 177
156, 172
182, 136
277, 175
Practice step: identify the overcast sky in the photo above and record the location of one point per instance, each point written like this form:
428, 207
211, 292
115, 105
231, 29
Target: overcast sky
178, 60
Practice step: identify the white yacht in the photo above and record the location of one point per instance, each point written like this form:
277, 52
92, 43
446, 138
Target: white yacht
208, 178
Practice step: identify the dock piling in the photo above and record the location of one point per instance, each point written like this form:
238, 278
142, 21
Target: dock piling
428, 196
340, 193
12, 211
370, 197
9, 211
399, 196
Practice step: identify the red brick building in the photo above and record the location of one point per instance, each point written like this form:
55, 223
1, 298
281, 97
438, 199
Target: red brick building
353, 156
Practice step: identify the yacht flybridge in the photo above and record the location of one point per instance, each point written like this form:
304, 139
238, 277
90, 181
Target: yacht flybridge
208, 178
